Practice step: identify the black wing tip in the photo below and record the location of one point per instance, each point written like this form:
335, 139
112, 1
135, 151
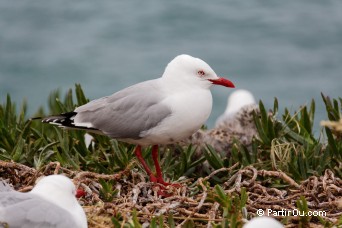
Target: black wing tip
64, 120
48, 119
36, 118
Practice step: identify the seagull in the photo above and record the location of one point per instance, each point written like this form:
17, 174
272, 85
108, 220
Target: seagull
51, 203
151, 113
235, 102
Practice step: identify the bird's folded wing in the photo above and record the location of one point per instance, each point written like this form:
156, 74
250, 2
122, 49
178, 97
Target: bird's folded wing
126, 113
4, 186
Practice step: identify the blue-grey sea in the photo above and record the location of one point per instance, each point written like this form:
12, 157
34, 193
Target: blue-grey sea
289, 49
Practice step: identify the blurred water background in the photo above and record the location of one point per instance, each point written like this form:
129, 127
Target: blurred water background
291, 49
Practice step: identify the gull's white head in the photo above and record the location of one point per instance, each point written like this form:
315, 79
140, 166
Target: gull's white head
55, 183
60, 190
193, 71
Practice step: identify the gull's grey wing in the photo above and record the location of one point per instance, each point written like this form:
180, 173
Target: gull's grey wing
127, 113
4, 186
30, 211
11, 197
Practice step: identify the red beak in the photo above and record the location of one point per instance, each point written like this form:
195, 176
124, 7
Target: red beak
223, 82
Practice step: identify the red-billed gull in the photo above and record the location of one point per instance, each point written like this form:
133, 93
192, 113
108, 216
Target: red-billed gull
155, 112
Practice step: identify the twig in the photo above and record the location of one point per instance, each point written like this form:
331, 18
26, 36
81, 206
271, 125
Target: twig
279, 174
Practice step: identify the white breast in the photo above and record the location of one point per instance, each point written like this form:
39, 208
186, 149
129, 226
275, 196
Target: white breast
190, 110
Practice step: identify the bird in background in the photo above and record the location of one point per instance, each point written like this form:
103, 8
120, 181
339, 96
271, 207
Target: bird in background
151, 113
51, 203
237, 122
236, 101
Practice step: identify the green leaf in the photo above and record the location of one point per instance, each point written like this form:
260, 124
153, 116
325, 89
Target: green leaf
153, 223
81, 98
189, 224
135, 219
213, 157
171, 221
116, 222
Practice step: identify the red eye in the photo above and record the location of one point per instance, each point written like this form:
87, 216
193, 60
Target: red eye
201, 73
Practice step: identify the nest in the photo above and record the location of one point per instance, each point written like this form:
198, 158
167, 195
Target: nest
189, 202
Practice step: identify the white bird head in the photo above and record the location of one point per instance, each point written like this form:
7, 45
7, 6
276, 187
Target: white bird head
193, 71
237, 100
55, 183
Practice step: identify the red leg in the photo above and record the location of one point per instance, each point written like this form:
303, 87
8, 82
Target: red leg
159, 174
138, 153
